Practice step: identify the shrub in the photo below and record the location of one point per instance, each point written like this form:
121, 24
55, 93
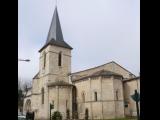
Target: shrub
75, 115
56, 116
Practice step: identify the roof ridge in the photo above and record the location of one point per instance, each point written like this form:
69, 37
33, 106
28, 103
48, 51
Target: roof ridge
92, 68
103, 65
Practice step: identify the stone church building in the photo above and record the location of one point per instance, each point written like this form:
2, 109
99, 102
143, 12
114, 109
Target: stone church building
104, 90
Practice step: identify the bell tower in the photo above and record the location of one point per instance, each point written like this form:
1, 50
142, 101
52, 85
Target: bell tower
55, 55
54, 70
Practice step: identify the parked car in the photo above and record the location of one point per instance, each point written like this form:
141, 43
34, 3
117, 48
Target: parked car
21, 117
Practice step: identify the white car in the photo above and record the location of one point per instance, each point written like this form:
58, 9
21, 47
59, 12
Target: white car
21, 117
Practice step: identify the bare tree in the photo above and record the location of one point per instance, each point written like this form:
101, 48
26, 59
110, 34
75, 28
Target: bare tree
20, 95
26, 86
19, 84
23, 88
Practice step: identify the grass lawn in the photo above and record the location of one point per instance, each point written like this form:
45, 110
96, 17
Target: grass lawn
130, 118
124, 119
118, 119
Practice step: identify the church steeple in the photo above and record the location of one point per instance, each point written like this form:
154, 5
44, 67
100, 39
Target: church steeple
55, 31
55, 36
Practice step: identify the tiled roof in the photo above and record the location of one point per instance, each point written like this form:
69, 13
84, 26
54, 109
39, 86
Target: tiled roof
101, 66
105, 73
36, 76
100, 73
59, 83
130, 79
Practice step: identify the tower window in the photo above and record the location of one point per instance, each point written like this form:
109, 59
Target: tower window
42, 95
60, 59
66, 104
95, 96
116, 94
83, 97
44, 60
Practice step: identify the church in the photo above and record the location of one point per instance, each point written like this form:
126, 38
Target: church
104, 90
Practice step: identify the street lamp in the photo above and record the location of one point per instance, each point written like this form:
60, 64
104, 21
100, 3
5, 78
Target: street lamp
26, 60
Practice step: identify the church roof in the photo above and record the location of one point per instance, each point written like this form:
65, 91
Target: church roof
36, 76
101, 66
105, 73
131, 79
100, 73
55, 36
59, 83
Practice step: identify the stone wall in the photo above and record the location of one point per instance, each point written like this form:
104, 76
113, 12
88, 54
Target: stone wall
51, 73
62, 99
129, 88
106, 106
52, 70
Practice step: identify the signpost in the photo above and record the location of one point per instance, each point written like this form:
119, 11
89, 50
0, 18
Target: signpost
51, 107
136, 98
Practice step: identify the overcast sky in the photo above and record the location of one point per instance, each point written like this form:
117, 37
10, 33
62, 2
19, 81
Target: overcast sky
99, 31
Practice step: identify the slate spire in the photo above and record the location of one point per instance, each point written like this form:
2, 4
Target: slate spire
55, 31
55, 36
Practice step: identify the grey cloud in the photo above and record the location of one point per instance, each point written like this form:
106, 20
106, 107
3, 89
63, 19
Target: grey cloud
103, 29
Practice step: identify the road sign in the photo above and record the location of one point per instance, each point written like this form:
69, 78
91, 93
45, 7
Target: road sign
136, 96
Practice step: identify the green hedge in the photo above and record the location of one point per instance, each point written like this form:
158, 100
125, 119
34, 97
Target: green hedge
56, 116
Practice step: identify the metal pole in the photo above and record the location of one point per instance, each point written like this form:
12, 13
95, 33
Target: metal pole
138, 117
50, 111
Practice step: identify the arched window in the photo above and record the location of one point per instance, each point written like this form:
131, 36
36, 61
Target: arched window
44, 60
83, 97
126, 103
95, 96
60, 59
42, 95
66, 104
27, 106
117, 94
